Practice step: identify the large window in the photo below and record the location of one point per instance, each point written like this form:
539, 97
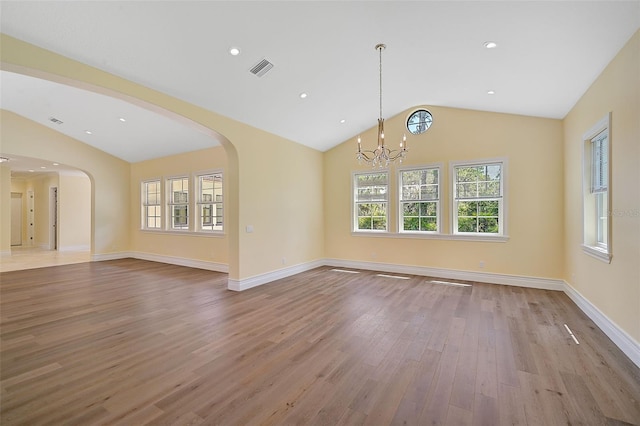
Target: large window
596, 200
210, 202
370, 195
419, 200
169, 205
478, 206
151, 205
178, 203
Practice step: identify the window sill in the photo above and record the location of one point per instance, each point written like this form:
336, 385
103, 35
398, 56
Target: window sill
597, 253
433, 236
214, 234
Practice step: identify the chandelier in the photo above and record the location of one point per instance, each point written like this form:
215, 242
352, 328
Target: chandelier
381, 156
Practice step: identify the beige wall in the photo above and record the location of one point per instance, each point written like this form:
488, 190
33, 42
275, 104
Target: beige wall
274, 184
20, 186
74, 205
41, 206
5, 210
533, 150
213, 248
110, 176
613, 288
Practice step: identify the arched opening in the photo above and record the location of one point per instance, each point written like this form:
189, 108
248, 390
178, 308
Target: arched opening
50, 214
110, 240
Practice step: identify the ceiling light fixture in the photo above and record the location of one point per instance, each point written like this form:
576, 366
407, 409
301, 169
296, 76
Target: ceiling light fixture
342, 121
382, 156
122, 119
491, 92
234, 51
490, 45
303, 95
89, 132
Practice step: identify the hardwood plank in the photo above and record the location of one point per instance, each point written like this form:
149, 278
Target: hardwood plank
136, 342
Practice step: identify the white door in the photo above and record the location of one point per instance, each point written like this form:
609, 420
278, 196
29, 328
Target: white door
16, 219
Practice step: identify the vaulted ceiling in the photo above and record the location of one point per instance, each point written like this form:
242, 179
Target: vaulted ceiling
547, 55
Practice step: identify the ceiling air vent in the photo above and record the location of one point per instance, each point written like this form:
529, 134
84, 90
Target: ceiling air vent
55, 120
261, 68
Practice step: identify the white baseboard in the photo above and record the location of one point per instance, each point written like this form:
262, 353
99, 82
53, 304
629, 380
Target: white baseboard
5, 253
110, 256
84, 247
622, 340
181, 261
247, 283
483, 277
172, 260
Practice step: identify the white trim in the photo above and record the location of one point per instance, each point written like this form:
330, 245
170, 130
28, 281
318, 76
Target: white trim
483, 277
597, 253
214, 234
5, 253
256, 280
489, 238
99, 257
172, 260
83, 247
503, 201
182, 261
400, 214
620, 338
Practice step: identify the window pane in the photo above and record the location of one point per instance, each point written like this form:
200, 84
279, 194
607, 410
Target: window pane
488, 208
411, 209
428, 209
380, 223
428, 224
488, 225
364, 209
411, 224
466, 190
364, 223
411, 192
429, 192
467, 224
467, 208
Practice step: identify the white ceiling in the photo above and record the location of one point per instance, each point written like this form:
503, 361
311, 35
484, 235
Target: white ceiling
548, 54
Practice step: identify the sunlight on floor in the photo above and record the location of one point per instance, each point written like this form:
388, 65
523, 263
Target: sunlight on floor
34, 257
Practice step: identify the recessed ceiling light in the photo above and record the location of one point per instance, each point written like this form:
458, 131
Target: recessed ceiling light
491, 92
234, 51
122, 119
56, 164
343, 120
490, 44
89, 132
303, 95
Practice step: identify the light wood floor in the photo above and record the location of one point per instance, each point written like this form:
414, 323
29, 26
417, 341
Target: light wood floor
23, 257
133, 342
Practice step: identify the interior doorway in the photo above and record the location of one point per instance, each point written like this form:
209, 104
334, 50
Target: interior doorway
16, 219
53, 237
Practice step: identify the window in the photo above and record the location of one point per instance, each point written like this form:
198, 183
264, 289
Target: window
478, 205
178, 203
596, 145
151, 207
370, 194
419, 200
209, 202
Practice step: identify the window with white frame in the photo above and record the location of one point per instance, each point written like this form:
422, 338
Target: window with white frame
596, 200
370, 201
178, 203
478, 198
419, 200
209, 202
151, 205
